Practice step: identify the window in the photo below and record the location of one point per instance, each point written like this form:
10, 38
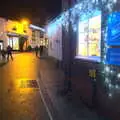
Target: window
89, 35
33, 35
41, 34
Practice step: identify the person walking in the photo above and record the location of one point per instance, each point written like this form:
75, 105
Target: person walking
36, 50
9, 52
41, 50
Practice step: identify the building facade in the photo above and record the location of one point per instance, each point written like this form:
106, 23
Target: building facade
54, 32
15, 32
3, 35
38, 36
19, 35
90, 52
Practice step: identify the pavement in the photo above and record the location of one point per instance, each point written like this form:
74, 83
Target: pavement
20, 97
62, 107
41, 100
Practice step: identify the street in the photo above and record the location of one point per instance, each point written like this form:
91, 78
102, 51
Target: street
19, 91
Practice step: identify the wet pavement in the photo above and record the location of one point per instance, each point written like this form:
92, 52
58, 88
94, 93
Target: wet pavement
19, 92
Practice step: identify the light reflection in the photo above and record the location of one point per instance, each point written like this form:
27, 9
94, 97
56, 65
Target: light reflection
18, 100
22, 84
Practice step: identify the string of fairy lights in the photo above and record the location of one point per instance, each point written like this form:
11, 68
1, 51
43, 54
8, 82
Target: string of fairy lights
70, 16
111, 72
83, 10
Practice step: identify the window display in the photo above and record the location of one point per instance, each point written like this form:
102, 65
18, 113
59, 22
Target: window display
89, 38
14, 43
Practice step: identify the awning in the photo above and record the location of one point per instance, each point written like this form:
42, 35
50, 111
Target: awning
13, 34
16, 35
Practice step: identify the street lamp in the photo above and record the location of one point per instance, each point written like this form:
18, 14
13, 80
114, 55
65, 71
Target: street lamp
25, 21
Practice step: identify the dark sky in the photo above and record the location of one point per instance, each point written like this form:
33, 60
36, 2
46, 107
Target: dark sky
36, 10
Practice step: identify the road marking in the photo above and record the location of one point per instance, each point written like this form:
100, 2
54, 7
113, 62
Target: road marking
45, 104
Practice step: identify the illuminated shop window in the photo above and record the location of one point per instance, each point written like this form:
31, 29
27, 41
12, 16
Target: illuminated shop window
10, 42
33, 35
89, 37
15, 43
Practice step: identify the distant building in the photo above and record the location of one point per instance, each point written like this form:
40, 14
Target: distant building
11, 31
16, 33
3, 35
38, 36
15, 30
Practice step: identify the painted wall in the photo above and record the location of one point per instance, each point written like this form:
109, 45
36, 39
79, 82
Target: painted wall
3, 35
55, 40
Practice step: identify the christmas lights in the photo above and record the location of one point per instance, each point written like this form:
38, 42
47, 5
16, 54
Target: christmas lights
83, 11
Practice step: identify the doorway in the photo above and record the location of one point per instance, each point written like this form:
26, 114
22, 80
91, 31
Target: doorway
14, 42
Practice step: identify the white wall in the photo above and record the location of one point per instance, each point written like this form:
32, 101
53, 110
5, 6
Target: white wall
3, 35
55, 43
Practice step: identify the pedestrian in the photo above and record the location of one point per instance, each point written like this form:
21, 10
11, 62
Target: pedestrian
9, 52
36, 50
41, 50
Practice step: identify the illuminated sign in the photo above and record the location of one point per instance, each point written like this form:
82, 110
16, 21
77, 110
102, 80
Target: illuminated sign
113, 56
113, 33
113, 39
37, 28
17, 27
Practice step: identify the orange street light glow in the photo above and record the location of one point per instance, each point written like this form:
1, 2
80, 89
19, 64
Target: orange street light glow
25, 21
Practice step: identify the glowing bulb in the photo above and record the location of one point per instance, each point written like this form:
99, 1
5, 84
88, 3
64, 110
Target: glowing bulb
107, 69
107, 80
114, 1
118, 75
104, 56
110, 94
116, 86
25, 21
112, 71
110, 85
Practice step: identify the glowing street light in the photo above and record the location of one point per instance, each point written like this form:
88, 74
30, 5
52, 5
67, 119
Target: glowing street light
25, 21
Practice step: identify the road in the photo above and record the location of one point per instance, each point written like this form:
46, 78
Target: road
19, 92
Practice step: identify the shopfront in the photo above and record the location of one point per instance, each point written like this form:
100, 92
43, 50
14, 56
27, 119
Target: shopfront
17, 42
18, 34
95, 60
91, 49
89, 38
13, 41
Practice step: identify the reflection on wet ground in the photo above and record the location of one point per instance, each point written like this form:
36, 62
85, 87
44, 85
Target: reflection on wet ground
20, 98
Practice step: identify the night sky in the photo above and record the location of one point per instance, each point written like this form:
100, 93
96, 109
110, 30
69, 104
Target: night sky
35, 10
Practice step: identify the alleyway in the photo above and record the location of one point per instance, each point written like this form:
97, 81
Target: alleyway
19, 92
